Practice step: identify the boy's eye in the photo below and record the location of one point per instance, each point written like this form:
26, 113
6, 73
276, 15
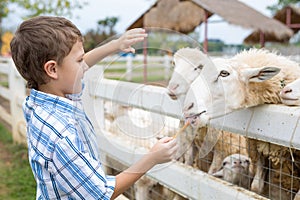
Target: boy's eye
80, 60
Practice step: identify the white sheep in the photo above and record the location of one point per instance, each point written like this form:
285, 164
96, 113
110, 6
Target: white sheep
147, 188
141, 128
188, 65
253, 78
290, 94
236, 169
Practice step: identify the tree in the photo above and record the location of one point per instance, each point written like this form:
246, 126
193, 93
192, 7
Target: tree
108, 23
281, 4
104, 31
38, 7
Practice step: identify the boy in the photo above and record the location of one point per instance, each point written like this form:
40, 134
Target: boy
63, 153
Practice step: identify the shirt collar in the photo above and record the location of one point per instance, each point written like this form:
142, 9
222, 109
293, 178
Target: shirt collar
71, 102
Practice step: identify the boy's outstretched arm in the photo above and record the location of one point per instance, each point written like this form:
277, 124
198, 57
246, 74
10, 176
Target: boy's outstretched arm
163, 151
123, 43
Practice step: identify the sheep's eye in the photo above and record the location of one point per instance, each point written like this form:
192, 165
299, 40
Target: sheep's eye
199, 67
224, 163
224, 73
247, 161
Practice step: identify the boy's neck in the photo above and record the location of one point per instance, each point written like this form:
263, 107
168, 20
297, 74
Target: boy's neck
49, 89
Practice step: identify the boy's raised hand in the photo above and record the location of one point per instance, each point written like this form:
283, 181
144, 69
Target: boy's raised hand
131, 37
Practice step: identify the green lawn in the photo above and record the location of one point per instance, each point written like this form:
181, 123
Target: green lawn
16, 179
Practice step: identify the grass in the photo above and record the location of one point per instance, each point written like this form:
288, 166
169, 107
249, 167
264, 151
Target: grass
16, 178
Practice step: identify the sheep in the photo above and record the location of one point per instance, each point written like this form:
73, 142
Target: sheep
236, 169
290, 93
253, 78
140, 128
147, 188
188, 65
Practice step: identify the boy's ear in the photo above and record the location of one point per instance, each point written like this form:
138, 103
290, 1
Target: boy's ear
50, 68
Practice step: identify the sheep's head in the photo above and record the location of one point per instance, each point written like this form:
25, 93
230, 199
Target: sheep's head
222, 89
236, 170
290, 94
188, 63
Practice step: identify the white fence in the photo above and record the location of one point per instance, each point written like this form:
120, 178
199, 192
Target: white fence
14, 94
130, 61
272, 123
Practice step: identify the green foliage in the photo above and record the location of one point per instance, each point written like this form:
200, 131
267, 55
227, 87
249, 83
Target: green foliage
56, 7
3, 9
106, 26
281, 4
16, 178
161, 42
215, 45
105, 30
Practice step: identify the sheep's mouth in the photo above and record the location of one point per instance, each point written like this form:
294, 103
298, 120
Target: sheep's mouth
238, 167
196, 115
192, 117
172, 95
289, 99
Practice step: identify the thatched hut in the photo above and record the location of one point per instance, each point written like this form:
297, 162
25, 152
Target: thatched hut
289, 15
185, 15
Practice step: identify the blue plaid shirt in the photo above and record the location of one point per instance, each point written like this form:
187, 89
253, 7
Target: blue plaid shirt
62, 149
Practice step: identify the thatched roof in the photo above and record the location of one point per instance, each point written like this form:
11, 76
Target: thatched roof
184, 16
281, 16
181, 16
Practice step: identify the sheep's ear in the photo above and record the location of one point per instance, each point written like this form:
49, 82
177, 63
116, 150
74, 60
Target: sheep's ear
218, 174
259, 74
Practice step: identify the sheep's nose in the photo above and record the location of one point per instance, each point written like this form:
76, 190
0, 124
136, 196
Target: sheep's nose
237, 162
188, 107
173, 87
286, 90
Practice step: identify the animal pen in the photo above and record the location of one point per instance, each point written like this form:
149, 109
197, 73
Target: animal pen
128, 116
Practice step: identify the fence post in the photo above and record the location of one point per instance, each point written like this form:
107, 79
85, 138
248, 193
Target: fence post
129, 58
167, 66
93, 105
18, 91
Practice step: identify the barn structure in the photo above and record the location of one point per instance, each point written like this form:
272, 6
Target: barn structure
185, 15
289, 15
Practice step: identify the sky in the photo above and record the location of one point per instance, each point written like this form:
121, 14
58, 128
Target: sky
128, 11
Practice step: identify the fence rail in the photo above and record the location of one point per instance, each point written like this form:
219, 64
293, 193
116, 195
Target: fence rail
14, 94
273, 123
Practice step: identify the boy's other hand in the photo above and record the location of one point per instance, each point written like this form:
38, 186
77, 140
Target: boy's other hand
164, 150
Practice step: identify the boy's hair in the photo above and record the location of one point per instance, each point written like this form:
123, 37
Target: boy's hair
39, 40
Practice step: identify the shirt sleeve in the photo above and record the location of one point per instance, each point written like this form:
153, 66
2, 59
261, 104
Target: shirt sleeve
78, 174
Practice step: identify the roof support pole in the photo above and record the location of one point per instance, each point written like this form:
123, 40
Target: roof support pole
288, 20
288, 17
145, 52
205, 44
261, 39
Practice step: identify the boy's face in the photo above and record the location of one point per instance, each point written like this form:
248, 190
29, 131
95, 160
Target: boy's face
71, 70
